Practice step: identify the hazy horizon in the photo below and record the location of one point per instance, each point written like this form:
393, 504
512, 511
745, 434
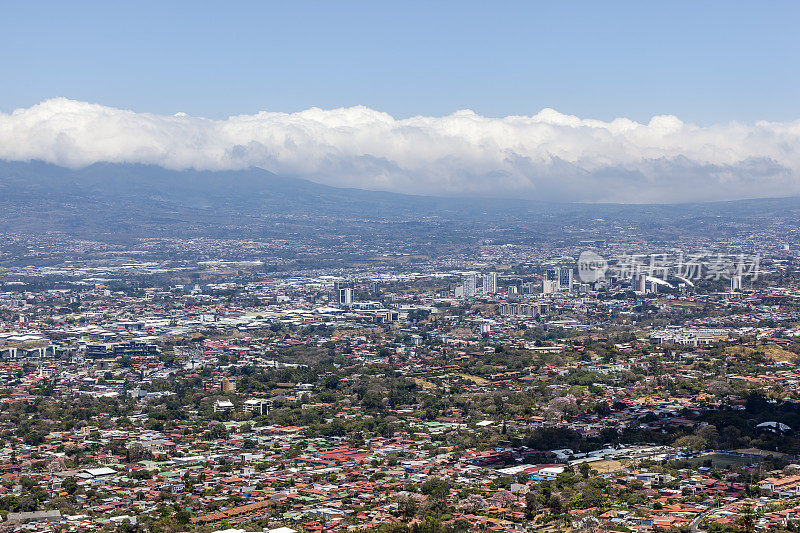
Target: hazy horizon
548, 156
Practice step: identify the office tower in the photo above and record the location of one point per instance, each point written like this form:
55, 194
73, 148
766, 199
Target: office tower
345, 296
343, 292
565, 279
549, 286
469, 285
228, 385
736, 283
562, 277
490, 283
639, 283
528, 288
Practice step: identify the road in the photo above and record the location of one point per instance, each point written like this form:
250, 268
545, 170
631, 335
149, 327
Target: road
694, 525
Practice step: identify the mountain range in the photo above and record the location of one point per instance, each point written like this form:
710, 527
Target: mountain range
112, 200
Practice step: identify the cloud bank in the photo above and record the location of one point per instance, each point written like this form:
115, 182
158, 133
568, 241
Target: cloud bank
548, 156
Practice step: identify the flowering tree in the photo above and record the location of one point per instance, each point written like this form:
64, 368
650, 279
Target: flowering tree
504, 498
474, 502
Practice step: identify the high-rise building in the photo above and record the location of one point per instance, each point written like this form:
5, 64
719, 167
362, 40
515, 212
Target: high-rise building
345, 296
528, 288
562, 277
639, 283
228, 385
549, 286
490, 283
469, 285
565, 279
736, 283
343, 292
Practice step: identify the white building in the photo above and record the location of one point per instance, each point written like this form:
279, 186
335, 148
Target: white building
223, 405
549, 286
345, 296
490, 283
469, 285
257, 405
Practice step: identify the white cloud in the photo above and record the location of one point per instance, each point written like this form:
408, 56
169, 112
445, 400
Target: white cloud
546, 156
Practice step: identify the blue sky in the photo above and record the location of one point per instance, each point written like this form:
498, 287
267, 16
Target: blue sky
705, 62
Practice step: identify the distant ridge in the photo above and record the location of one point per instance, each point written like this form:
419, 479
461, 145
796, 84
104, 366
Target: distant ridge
115, 199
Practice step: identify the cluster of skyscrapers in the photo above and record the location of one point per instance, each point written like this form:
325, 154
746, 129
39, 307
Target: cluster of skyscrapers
469, 285
343, 292
557, 279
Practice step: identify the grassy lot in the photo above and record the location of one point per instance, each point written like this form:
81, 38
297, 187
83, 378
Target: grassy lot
681, 303
426, 385
604, 467
771, 351
475, 379
720, 460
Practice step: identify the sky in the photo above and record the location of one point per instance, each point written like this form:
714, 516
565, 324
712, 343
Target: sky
552, 100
